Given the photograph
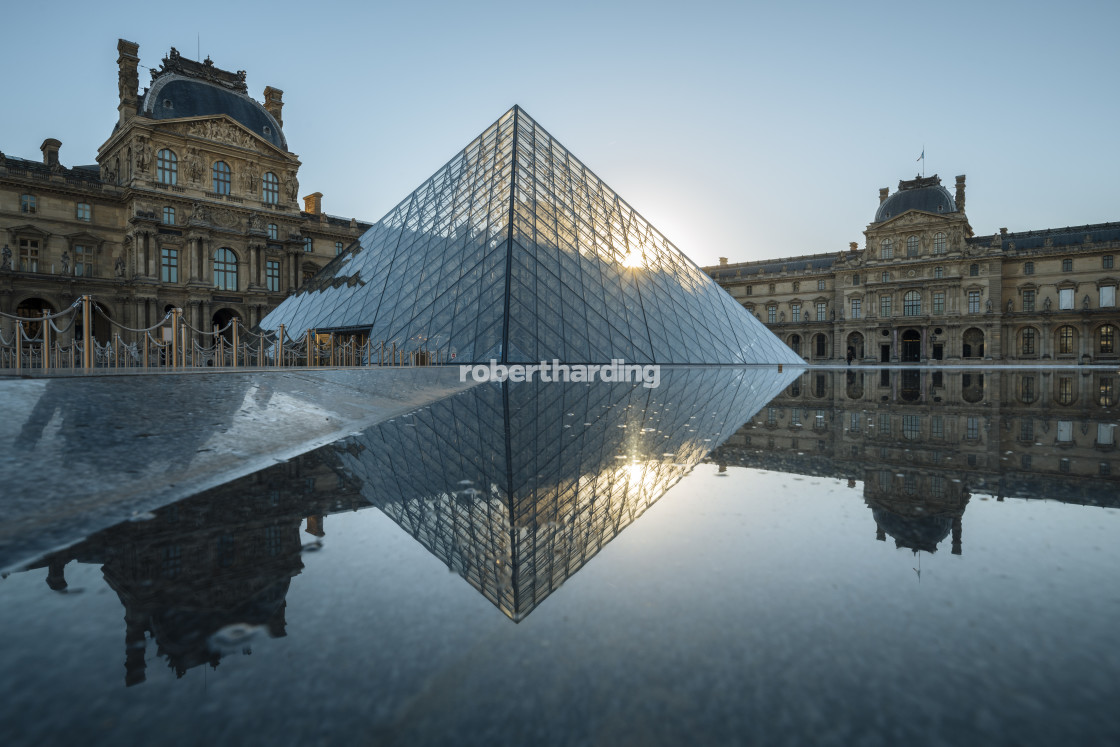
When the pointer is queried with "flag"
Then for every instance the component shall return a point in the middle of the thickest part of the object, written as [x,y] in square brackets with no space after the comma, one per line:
[923,156]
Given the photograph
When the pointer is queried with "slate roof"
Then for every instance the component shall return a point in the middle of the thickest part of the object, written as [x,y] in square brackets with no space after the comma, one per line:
[925,194]
[173,96]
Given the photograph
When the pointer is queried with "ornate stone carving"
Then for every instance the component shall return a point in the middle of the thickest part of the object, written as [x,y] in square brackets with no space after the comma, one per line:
[224,218]
[194,165]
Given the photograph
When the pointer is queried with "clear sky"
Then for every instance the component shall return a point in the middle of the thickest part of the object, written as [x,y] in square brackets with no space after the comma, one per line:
[744,130]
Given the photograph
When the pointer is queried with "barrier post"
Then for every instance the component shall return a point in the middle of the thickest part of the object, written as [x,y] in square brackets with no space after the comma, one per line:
[308,345]
[280,342]
[87,333]
[19,344]
[46,340]
[175,337]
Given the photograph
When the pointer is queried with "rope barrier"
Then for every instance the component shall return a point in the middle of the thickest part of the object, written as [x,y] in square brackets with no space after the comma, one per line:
[17,317]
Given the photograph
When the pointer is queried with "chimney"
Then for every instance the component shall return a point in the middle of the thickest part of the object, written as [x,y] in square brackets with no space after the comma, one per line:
[50,148]
[960,193]
[853,246]
[883,194]
[128,81]
[274,103]
[313,203]
[723,261]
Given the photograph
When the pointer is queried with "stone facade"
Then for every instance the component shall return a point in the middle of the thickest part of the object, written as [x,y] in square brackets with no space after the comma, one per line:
[192,204]
[924,288]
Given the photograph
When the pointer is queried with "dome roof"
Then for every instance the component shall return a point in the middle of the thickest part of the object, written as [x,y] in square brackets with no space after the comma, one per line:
[921,193]
[174,96]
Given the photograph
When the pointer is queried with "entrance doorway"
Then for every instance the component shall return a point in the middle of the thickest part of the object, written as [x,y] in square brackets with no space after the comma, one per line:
[885,353]
[911,346]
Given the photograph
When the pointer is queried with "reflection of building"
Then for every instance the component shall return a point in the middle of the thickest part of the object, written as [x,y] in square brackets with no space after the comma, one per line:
[192,203]
[923,441]
[225,557]
[924,288]
[516,486]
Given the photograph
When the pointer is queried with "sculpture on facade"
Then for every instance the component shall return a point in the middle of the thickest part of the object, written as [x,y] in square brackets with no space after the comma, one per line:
[65,263]
[7,258]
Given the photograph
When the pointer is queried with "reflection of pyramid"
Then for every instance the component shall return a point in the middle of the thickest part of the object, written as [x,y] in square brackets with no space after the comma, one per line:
[516,486]
[516,251]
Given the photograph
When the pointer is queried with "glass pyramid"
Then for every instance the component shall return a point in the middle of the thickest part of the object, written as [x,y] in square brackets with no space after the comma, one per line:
[516,251]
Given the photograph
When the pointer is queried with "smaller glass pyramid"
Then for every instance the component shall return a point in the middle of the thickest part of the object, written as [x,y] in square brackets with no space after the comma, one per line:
[516,251]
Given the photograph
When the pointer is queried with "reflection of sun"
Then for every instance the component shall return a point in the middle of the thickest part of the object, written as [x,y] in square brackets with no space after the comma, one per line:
[633,259]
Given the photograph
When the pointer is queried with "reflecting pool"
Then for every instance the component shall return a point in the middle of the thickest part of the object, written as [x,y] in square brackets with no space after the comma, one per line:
[737,556]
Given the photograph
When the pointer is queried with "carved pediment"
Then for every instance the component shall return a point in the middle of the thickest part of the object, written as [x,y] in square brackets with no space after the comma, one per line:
[221,129]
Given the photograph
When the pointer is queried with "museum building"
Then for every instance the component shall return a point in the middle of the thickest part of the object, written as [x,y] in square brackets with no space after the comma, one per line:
[924,288]
[193,203]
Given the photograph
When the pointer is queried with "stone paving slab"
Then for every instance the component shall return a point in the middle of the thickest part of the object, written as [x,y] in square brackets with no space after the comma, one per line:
[79,454]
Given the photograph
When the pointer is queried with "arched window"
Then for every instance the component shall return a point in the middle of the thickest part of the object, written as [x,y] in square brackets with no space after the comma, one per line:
[167,167]
[220,178]
[821,343]
[912,303]
[225,269]
[938,273]
[270,188]
[886,249]
[939,243]
[1027,341]
[973,270]
[1106,340]
[911,246]
[1067,340]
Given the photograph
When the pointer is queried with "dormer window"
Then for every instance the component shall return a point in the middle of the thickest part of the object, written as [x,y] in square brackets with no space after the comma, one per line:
[267,130]
[167,104]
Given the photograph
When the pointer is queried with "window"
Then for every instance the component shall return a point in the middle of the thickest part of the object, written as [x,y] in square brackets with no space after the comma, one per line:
[857,311]
[937,426]
[854,422]
[750,290]
[974,302]
[29,255]
[884,305]
[822,311]
[1106,262]
[912,303]
[272,275]
[337,248]
[822,346]
[1025,461]
[220,178]
[1028,300]
[84,262]
[270,188]
[27,204]
[169,216]
[1065,298]
[308,246]
[84,212]
[225,269]
[169,265]
[1027,342]
[1106,393]
[1026,429]
[855,279]
[886,249]
[885,277]
[884,424]
[1107,296]
[1063,466]
[972,428]
[820,285]
[771,314]
[1065,390]
[973,270]
[771,416]
[1067,265]
[167,167]
[911,246]
[1106,340]
[1104,434]
[938,273]
[911,427]
[1066,341]
[795,312]
[1027,392]
[274,234]
[939,243]
[1028,268]
[939,302]
[1065,431]
[1105,469]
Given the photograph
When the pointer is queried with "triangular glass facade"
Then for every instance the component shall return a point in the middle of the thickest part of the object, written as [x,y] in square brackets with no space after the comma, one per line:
[516,251]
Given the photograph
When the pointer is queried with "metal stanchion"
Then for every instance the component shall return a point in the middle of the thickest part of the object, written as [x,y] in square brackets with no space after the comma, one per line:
[87,333]
[46,340]
[175,314]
